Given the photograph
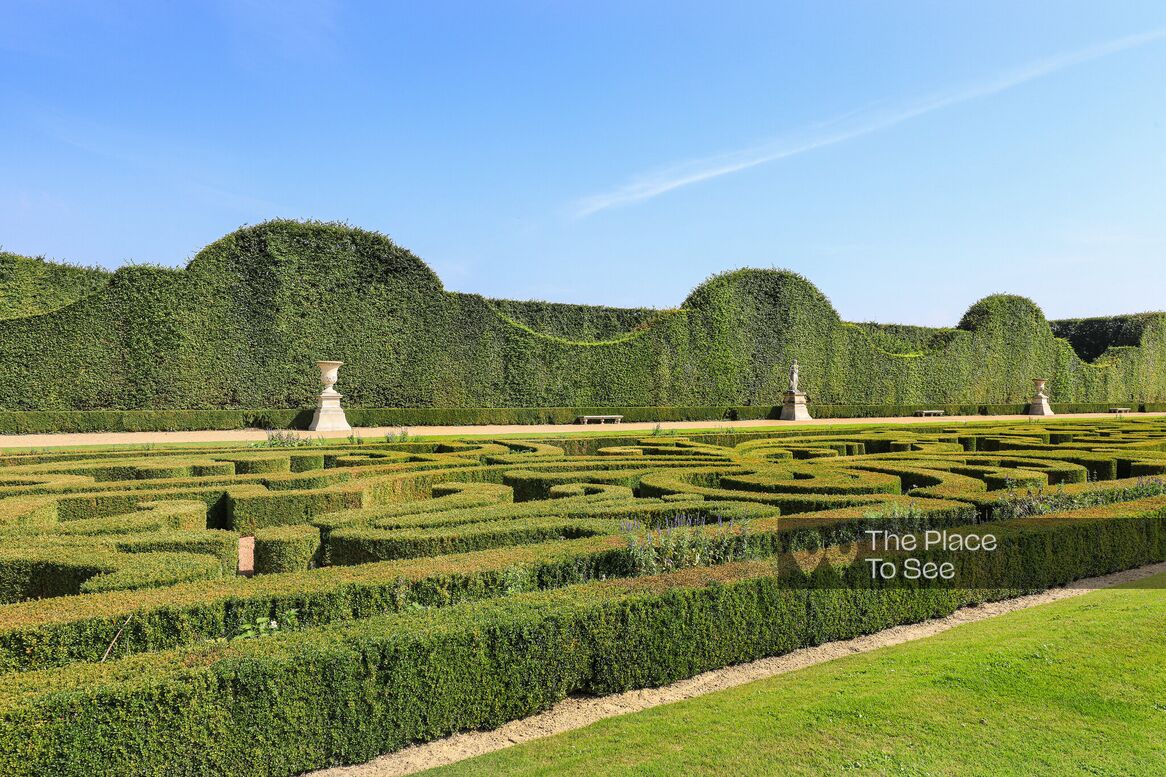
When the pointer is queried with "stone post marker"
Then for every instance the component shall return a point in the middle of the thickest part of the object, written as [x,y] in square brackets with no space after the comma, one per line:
[1040,400]
[793,406]
[329,415]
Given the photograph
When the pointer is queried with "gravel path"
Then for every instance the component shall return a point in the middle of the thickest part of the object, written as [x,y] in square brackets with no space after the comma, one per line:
[251,435]
[247,556]
[573,713]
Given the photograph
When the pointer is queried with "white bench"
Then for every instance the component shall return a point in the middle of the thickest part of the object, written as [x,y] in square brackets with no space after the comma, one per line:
[1119,410]
[928,413]
[599,419]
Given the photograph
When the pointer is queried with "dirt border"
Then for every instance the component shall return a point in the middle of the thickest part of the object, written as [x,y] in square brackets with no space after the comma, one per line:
[577,712]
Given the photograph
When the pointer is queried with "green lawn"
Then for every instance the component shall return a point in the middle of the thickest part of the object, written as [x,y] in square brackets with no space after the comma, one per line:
[1076,687]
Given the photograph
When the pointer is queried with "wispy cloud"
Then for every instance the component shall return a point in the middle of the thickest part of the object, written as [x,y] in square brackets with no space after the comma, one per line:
[852,125]
[182,168]
[274,32]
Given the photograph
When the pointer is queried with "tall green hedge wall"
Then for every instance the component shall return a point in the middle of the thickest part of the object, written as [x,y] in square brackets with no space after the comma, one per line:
[1092,337]
[242,324]
[30,286]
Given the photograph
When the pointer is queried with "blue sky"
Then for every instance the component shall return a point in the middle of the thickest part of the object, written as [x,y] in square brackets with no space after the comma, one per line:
[909,158]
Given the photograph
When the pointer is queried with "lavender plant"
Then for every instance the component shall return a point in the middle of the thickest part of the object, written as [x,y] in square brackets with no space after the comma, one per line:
[1040,500]
[685,541]
[401,435]
[280,439]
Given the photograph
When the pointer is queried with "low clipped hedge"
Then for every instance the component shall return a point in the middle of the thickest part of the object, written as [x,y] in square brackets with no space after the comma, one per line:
[162,543]
[49,633]
[690,482]
[34,573]
[28,576]
[54,421]
[222,545]
[286,548]
[300,497]
[347,693]
[361,545]
[250,513]
[41,634]
[155,570]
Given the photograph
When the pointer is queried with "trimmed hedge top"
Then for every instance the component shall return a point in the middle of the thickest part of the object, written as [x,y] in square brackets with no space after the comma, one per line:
[31,286]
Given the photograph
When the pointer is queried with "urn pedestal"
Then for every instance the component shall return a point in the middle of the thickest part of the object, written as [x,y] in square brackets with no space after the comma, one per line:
[1040,400]
[793,407]
[329,416]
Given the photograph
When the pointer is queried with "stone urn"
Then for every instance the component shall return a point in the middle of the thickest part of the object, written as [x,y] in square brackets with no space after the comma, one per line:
[329,416]
[329,374]
[1040,400]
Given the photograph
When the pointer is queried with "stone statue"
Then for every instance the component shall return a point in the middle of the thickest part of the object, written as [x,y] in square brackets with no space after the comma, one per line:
[793,406]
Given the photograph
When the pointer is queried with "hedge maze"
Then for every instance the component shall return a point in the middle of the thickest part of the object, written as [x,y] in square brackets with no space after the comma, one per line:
[406,590]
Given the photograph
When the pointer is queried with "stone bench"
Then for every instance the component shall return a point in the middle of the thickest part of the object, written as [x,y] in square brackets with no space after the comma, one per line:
[1119,410]
[599,419]
[928,413]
